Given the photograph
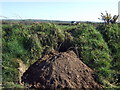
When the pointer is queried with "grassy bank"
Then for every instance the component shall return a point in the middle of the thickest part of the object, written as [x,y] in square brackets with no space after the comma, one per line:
[97,46]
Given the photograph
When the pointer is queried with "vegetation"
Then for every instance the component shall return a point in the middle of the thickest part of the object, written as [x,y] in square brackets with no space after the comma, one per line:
[111,34]
[97,46]
[107,18]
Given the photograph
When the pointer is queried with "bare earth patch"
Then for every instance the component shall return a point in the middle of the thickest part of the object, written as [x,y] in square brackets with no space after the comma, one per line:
[59,70]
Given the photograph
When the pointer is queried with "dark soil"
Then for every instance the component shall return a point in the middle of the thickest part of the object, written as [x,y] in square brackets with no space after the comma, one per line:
[59,70]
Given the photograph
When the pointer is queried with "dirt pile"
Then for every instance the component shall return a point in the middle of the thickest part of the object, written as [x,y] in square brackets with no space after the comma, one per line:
[59,70]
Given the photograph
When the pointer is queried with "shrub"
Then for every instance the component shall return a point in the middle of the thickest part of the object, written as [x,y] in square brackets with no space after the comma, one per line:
[48,35]
[92,48]
[111,34]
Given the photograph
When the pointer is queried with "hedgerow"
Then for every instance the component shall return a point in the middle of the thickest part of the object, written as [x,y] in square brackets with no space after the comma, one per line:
[98,48]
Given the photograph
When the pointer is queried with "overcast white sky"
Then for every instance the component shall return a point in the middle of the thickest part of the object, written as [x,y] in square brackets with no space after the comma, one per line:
[77,10]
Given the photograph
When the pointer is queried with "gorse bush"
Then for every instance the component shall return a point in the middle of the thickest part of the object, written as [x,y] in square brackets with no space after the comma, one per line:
[92,49]
[12,48]
[27,43]
[14,44]
[111,34]
[47,35]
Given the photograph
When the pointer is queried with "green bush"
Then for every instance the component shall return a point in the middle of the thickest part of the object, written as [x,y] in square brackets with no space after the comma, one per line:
[27,43]
[92,48]
[48,35]
[111,34]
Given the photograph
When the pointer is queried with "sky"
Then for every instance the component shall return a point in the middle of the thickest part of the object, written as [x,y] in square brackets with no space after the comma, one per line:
[66,10]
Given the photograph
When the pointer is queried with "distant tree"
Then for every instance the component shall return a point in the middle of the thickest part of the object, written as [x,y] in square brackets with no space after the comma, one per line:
[107,18]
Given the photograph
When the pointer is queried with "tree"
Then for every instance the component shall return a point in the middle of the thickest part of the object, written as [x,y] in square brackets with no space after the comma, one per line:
[107,18]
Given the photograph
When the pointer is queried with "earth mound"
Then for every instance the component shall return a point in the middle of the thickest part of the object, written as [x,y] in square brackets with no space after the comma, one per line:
[59,70]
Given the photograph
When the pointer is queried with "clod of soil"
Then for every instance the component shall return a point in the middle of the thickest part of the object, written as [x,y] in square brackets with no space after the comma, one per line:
[59,70]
